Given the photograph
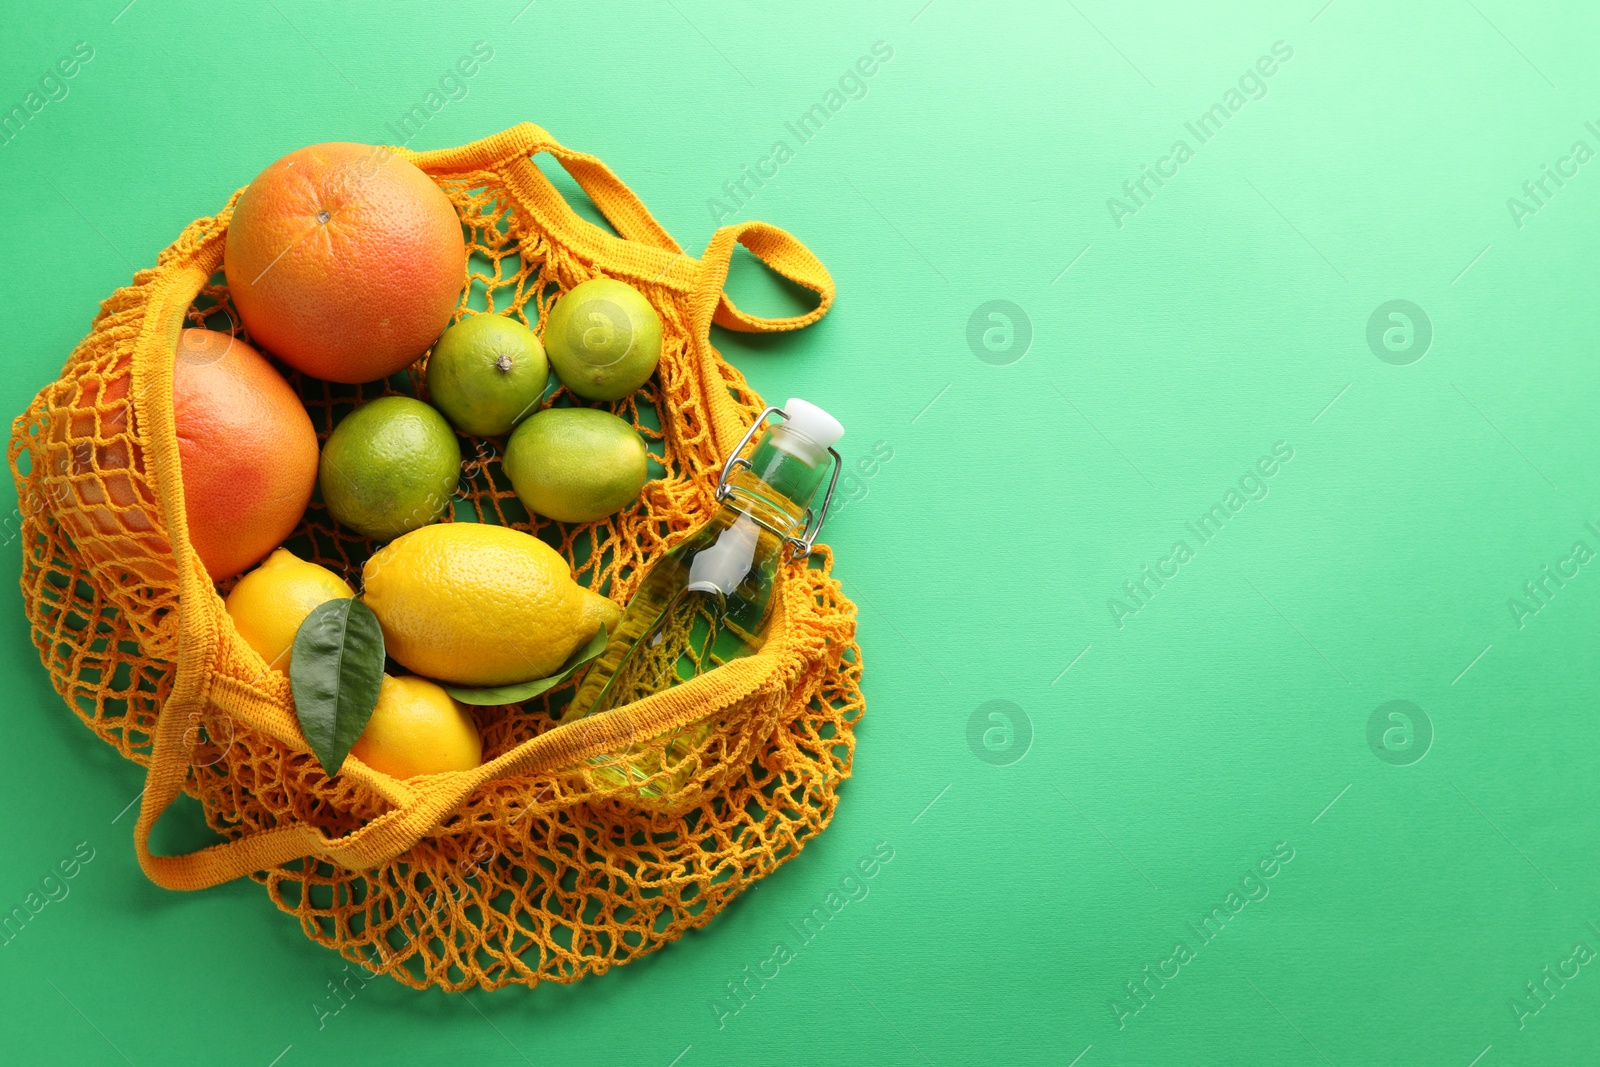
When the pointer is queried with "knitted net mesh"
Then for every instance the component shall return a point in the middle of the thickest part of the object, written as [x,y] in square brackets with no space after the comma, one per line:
[541,868]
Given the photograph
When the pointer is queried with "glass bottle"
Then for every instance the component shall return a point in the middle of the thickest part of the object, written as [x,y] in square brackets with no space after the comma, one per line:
[709,600]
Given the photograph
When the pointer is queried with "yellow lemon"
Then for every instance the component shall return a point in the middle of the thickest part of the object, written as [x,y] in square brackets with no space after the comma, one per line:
[269,604]
[473,604]
[416,728]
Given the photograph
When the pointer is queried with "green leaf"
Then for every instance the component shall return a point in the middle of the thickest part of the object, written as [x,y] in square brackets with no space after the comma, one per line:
[516,694]
[335,673]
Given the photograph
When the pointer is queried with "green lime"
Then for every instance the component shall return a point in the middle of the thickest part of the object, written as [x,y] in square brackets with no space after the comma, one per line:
[576,464]
[604,339]
[487,373]
[389,467]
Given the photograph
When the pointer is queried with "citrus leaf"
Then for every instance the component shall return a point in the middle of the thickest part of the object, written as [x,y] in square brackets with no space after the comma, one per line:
[516,694]
[335,672]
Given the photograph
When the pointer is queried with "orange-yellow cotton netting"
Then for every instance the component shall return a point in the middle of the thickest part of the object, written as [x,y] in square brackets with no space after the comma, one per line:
[537,865]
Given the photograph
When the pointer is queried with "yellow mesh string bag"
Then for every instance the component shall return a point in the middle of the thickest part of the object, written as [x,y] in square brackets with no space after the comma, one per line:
[543,863]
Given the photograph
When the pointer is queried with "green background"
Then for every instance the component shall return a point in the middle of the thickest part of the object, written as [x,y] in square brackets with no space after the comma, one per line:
[1166,356]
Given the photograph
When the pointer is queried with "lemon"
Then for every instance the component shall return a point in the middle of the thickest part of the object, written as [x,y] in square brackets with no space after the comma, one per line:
[269,604]
[486,373]
[576,464]
[479,605]
[603,338]
[416,728]
[390,466]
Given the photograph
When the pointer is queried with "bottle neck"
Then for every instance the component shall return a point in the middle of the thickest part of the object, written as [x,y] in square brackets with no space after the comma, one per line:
[782,479]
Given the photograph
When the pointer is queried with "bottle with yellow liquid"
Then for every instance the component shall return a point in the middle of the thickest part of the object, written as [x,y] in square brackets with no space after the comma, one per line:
[709,600]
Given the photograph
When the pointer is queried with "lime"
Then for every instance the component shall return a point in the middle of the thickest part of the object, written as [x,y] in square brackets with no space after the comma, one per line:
[486,373]
[604,339]
[576,464]
[389,467]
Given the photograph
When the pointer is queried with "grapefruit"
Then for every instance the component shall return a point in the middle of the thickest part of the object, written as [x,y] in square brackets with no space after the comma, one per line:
[246,447]
[345,261]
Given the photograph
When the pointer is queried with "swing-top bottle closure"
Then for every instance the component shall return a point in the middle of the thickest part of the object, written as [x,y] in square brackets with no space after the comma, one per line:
[808,433]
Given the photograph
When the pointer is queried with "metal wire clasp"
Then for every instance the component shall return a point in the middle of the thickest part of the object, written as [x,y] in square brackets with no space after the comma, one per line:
[798,546]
